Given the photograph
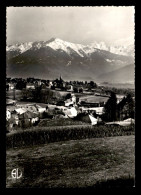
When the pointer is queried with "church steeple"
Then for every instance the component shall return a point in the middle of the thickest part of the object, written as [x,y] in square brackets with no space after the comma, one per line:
[61,78]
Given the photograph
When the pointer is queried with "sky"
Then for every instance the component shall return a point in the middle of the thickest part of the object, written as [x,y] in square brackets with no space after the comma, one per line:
[83,25]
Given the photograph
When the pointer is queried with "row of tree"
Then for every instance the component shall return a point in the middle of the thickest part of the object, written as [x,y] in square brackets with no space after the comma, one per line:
[39,95]
[114,111]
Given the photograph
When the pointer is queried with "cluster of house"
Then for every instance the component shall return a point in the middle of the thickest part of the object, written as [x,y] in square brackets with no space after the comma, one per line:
[57,84]
[25,115]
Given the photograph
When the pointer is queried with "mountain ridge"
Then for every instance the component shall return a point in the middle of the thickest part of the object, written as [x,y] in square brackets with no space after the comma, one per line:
[56,43]
[124,74]
[47,59]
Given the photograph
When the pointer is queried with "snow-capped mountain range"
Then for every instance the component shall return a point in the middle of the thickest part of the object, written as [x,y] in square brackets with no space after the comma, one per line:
[49,59]
[81,50]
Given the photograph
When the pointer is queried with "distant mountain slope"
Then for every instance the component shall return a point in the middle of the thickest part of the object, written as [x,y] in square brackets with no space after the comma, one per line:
[82,50]
[122,75]
[49,59]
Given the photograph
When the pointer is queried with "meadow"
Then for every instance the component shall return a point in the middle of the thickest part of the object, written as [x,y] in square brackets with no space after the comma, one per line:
[86,163]
[93,98]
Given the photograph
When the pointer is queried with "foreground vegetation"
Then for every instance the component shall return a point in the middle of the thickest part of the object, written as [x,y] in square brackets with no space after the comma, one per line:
[60,122]
[43,135]
[102,162]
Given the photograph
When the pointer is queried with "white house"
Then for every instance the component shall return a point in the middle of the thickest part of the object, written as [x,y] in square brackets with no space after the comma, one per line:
[99,110]
[40,109]
[73,98]
[30,86]
[33,120]
[11,86]
[70,88]
[71,112]
[20,110]
[50,84]
[8,115]
[69,102]
[93,120]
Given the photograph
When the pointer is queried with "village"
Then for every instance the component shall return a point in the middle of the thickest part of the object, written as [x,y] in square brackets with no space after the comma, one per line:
[31,101]
[70,97]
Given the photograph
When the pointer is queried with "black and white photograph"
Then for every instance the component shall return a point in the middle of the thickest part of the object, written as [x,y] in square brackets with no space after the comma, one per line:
[70,97]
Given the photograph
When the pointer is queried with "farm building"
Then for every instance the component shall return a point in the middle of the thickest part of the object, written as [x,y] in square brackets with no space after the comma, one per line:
[90,104]
[28,119]
[71,112]
[32,108]
[40,109]
[20,110]
[98,110]
[70,88]
[88,118]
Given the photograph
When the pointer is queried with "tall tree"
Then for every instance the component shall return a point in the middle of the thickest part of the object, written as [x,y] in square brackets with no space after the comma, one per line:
[110,108]
[126,108]
[130,106]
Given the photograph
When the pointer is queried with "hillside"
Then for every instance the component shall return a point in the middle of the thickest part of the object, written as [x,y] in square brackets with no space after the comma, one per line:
[49,59]
[125,74]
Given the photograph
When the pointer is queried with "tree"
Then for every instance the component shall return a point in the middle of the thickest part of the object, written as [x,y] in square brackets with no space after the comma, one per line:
[93,84]
[7,87]
[68,96]
[125,108]
[130,106]
[120,107]
[81,90]
[110,108]
[75,89]
[20,85]
[53,87]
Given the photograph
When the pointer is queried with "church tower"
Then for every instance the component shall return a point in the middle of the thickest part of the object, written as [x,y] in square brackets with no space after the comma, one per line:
[61,78]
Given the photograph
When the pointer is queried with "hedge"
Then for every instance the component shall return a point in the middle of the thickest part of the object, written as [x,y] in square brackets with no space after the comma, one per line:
[43,135]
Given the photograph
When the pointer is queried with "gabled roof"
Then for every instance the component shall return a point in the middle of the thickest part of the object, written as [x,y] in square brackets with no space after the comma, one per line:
[31,108]
[10,101]
[72,112]
[27,115]
[20,110]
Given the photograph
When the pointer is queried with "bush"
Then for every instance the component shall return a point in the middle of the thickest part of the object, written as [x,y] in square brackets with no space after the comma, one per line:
[43,135]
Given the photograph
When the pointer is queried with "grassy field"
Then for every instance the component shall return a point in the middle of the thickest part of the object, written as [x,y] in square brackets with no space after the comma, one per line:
[76,163]
[119,85]
[93,98]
